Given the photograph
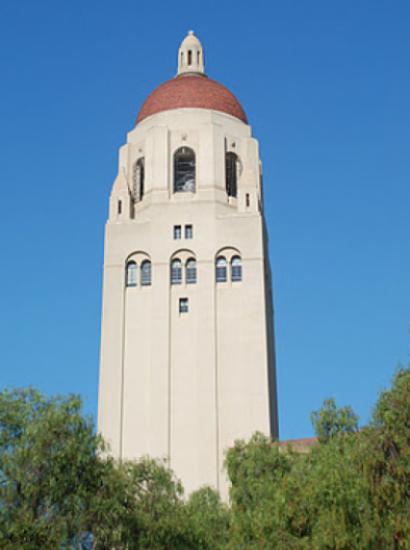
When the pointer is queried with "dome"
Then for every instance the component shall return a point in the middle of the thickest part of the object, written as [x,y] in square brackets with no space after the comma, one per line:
[191,88]
[191,91]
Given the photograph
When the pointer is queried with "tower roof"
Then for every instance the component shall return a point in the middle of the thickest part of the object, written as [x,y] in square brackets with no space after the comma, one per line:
[191,88]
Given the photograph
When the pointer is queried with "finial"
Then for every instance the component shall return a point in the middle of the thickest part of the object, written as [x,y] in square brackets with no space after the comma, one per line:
[190,55]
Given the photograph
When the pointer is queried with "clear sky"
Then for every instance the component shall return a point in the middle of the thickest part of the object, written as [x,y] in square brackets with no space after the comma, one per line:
[326,87]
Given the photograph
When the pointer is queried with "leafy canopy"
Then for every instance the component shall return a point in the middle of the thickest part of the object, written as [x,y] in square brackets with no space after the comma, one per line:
[60,489]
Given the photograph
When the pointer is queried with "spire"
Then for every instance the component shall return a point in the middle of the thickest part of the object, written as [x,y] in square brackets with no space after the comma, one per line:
[190,55]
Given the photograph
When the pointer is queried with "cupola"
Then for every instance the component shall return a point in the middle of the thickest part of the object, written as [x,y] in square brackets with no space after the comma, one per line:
[190,55]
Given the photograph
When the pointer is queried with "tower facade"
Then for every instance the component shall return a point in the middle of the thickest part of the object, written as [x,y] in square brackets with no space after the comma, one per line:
[187,346]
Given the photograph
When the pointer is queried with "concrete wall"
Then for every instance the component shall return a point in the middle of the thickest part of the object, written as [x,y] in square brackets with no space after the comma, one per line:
[185,386]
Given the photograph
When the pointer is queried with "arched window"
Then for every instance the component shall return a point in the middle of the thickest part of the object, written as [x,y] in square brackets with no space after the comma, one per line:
[146,273]
[231,174]
[131,274]
[184,170]
[220,270]
[191,271]
[236,269]
[176,272]
[139,179]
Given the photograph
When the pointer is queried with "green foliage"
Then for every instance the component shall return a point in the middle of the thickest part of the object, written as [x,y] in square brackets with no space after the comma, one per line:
[387,467]
[58,489]
[208,520]
[51,481]
[330,421]
[352,491]
[257,470]
[154,505]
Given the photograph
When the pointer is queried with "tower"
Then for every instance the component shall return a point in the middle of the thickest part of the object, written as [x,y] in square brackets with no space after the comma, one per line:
[187,349]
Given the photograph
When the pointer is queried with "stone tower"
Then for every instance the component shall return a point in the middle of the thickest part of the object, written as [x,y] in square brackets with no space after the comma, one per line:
[187,346]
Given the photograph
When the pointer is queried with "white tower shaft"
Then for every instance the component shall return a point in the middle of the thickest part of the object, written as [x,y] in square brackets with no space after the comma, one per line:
[187,356]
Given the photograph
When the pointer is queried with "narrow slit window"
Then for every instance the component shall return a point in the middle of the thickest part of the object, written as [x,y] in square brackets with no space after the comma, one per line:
[248,200]
[139,179]
[119,207]
[189,57]
[231,174]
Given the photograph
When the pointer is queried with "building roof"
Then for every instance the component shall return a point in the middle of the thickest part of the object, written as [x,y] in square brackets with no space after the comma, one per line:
[303,445]
[191,91]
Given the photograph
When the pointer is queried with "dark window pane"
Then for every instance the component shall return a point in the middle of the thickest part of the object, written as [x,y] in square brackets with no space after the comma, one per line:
[220,270]
[139,179]
[188,232]
[131,274]
[183,305]
[184,170]
[191,271]
[176,272]
[231,174]
[146,273]
[236,269]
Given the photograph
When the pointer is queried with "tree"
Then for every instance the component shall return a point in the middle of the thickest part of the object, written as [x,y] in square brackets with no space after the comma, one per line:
[387,468]
[257,469]
[155,507]
[351,491]
[52,483]
[59,489]
[330,421]
[208,519]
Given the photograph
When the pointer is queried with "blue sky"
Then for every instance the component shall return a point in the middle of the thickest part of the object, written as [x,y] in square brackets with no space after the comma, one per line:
[326,87]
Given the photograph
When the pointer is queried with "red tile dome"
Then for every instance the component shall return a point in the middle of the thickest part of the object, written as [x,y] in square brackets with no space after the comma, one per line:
[191,91]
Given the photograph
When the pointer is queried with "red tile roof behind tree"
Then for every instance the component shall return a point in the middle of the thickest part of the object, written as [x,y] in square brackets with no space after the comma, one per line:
[191,91]
[303,445]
